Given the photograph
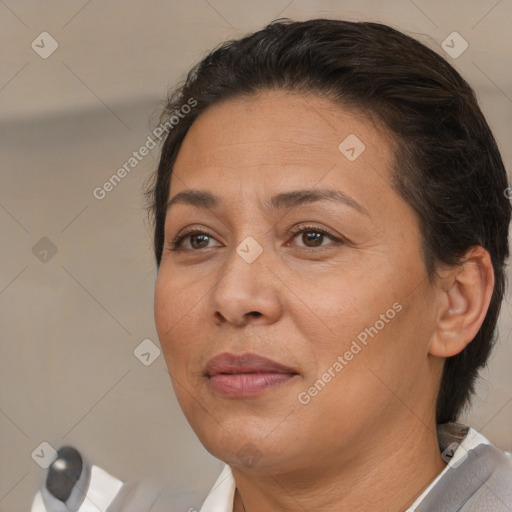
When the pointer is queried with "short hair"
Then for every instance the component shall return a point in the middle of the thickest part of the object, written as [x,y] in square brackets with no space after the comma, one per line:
[447,165]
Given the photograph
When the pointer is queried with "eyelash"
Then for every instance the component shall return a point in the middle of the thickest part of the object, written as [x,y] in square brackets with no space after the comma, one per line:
[176,244]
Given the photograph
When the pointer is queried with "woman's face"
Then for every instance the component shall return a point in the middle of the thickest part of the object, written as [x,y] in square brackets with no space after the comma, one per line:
[333,288]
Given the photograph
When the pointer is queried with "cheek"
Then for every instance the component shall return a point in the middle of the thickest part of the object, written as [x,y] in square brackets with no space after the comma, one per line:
[367,306]
[340,302]
[164,305]
[176,307]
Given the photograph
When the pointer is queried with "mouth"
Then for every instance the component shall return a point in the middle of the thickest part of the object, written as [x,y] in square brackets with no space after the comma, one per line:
[245,375]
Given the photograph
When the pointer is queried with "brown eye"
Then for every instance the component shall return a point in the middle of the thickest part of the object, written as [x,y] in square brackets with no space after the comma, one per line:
[197,241]
[312,238]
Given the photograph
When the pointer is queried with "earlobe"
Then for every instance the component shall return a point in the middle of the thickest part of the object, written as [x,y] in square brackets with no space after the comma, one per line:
[465,295]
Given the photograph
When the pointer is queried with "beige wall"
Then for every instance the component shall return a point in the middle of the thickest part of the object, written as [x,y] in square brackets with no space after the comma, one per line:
[70,325]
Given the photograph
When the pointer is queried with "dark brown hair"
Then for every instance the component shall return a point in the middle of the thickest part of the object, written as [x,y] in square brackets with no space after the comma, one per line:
[448,166]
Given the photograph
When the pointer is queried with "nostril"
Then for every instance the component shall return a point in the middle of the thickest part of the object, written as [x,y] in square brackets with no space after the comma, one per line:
[219,317]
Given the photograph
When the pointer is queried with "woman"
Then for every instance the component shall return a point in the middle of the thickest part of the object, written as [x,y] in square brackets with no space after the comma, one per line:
[330,233]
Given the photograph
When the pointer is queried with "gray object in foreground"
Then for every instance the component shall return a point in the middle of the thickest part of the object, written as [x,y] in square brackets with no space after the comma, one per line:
[72,485]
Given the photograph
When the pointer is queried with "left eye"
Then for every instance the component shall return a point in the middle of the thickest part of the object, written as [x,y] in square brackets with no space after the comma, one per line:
[312,237]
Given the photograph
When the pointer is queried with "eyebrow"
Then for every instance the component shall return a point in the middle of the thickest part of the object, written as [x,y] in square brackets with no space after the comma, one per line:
[292,199]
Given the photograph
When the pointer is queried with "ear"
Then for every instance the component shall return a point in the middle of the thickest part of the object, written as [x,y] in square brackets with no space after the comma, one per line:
[465,293]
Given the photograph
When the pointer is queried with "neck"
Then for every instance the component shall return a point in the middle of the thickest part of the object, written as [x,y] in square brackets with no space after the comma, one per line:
[387,477]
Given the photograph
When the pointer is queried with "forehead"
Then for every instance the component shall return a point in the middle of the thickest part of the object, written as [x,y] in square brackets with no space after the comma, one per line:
[277,140]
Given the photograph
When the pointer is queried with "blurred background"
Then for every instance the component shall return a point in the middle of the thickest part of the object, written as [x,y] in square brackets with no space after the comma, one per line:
[81,85]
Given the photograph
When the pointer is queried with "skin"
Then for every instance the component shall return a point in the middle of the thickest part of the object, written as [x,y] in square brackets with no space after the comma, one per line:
[367,441]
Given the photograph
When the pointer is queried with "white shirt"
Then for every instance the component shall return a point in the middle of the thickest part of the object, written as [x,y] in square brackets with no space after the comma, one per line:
[220,498]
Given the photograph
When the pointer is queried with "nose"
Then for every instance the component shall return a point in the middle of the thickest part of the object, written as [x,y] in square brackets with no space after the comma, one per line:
[246,293]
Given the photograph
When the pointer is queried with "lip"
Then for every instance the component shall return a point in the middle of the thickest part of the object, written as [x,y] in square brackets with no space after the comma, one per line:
[243,375]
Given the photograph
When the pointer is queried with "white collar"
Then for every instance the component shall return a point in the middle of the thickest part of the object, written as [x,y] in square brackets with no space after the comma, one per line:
[221,496]
[472,439]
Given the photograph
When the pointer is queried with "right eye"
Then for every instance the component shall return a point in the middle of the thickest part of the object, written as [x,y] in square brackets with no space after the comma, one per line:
[197,240]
